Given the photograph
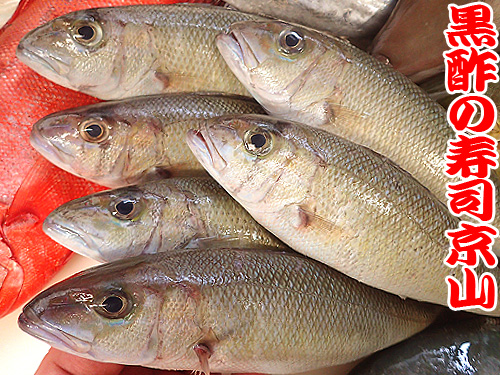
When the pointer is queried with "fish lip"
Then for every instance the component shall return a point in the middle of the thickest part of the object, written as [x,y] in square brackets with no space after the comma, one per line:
[201,145]
[29,55]
[57,230]
[47,149]
[30,323]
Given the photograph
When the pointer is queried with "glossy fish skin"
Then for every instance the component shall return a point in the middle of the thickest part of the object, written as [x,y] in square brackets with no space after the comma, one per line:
[252,310]
[144,138]
[336,87]
[335,201]
[462,348]
[166,215]
[355,19]
[135,50]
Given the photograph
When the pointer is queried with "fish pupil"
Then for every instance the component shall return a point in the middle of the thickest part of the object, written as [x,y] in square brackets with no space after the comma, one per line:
[292,40]
[94,131]
[113,304]
[125,207]
[86,32]
[258,140]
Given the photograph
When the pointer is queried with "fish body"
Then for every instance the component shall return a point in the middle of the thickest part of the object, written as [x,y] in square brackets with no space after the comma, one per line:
[221,310]
[412,39]
[460,348]
[335,201]
[114,53]
[357,20]
[137,139]
[327,83]
[30,187]
[161,215]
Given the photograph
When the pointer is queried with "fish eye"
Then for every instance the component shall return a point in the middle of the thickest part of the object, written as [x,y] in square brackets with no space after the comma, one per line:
[93,131]
[258,142]
[126,209]
[291,42]
[88,33]
[114,305]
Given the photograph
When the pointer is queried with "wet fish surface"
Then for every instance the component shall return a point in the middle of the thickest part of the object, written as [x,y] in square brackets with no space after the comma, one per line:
[157,216]
[120,52]
[462,348]
[221,310]
[131,141]
[302,75]
[358,20]
[335,201]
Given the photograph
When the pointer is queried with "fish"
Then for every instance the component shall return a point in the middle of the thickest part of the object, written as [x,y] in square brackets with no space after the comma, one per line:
[121,52]
[335,201]
[130,141]
[30,187]
[459,348]
[357,20]
[302,75]
[161,215]
[418,54]
[221,310]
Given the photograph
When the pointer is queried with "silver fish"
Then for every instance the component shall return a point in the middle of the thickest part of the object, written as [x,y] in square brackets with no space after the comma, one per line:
[121,52]
[130,141]
[302,75]
[221,310]
[359,20]
[157,216]
[335,201]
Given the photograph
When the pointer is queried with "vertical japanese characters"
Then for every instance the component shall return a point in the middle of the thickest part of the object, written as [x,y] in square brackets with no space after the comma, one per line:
[471,64]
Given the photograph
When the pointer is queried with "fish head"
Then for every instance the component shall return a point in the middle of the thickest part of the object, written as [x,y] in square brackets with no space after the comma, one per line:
[108,225]
[108,148]
[104,314]
[76,50]
[274,60]
[259,160]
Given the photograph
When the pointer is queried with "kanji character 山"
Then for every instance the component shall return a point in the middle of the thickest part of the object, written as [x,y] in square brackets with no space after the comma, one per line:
[482,294]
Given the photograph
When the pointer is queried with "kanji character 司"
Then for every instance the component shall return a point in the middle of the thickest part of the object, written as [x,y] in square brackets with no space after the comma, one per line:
[468,241]
[465,105]
[471,156]
[472,25]
[464,64]
[481,295]
[474,197]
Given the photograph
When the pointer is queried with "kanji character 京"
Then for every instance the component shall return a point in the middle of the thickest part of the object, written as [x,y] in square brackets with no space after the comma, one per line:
[469,241]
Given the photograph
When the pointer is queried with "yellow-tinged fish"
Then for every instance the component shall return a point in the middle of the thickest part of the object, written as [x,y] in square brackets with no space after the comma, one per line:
[156,216]
[221,310]
[131,141]
[335,201]
[302,75]
[121,52]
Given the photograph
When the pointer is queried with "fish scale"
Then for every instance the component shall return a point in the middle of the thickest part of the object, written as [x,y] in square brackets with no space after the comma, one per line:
[337,202]
[168,214]
[147,136]
[146,50]
[339,88]
[283,313]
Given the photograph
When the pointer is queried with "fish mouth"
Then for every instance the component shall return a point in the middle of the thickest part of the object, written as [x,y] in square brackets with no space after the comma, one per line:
[30,323]
[205,151]
[235,49]
[72,238]
[37,58]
